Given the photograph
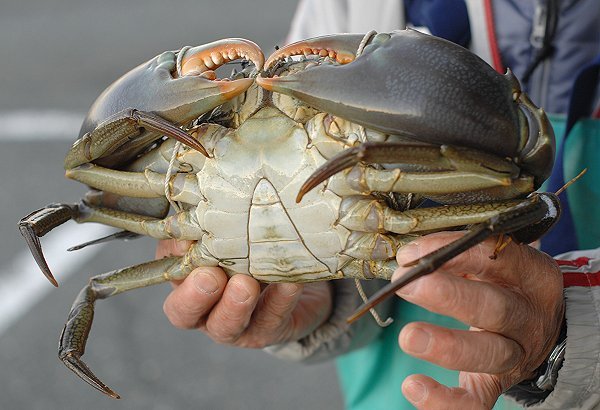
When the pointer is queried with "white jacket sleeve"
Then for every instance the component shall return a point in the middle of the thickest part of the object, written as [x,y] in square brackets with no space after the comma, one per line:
[578,385]
[319,17]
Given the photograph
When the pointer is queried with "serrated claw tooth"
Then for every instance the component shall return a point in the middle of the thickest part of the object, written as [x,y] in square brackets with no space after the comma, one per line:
[342,47]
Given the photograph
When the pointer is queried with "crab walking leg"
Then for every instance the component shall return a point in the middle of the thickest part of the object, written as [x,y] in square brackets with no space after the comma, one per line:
[39,223]
[371,215]
[79,322]
[430,170]
[147,184]
[525,222]
[182,225]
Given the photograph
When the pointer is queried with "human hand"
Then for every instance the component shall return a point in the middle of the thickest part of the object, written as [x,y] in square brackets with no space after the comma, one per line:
[235,311]
[514,305]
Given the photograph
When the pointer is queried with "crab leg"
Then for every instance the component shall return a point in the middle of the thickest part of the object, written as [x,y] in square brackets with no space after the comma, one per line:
[147,184]
[181,225]
[371,215]
[77,328]
[433,170]
[39,223]
[525,222]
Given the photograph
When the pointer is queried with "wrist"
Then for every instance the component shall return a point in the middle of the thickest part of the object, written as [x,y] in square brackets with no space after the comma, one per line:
[545,376]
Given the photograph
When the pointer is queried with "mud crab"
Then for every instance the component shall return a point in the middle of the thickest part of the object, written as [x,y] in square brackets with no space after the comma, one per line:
[309,166]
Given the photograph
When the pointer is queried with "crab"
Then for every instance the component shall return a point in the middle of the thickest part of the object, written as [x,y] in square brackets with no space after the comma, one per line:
[308,166]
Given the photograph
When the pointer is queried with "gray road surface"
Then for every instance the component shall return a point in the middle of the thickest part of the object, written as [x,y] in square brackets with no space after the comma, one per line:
[58,55]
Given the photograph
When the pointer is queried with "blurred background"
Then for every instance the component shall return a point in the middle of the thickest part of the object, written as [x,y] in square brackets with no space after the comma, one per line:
[57,56]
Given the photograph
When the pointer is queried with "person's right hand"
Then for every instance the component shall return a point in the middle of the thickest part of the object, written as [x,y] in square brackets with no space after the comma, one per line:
[235,311]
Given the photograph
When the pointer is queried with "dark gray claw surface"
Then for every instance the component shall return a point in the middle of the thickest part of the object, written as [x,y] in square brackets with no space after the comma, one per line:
[416,85]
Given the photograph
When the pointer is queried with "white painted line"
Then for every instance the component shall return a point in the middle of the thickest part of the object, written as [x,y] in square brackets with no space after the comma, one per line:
[23,285]
[36,125]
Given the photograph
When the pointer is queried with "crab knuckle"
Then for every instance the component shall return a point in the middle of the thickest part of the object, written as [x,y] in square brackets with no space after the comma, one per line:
[273,126]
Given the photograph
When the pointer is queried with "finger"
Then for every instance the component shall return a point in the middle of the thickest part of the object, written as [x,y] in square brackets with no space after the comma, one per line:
[187,304]
[476,303]
[425,393]
[172,247]
[454,349]
[271,320]
[231,316]
[511,267]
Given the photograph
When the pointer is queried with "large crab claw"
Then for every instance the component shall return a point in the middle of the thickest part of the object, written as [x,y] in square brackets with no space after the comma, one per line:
[411,84]
[156,98]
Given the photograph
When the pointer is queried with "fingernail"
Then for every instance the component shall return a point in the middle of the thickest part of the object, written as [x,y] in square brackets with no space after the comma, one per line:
[417,341]
[414,391]
[205,282]
[407,253]
[239,292]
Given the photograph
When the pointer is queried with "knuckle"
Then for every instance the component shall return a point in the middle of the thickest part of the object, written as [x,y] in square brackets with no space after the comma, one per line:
[446,293]
[224,334]
[508,356]
[450,349]
[500,311]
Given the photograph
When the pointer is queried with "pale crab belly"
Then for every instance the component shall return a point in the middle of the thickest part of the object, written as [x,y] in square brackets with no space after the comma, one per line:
[274,242]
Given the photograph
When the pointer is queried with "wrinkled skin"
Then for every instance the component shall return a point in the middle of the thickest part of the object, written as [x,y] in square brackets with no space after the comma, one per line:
[508,339]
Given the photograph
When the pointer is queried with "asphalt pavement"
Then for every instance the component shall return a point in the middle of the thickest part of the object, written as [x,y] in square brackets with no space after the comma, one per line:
[57,56]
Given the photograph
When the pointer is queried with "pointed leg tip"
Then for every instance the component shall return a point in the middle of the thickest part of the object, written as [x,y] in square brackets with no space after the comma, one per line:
[77,366]
[358,313]
[53,281]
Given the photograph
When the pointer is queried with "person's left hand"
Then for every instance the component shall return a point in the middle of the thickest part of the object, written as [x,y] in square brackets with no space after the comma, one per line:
[514,305]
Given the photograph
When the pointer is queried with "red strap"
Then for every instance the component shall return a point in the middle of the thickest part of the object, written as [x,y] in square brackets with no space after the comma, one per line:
[581,279]
[493,42]
[576,263]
